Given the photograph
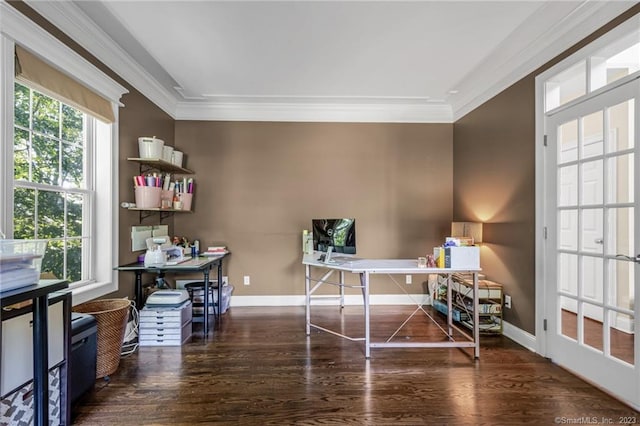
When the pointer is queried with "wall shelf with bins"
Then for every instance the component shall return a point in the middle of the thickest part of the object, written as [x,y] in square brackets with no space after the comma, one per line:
[148,165]
[490,300]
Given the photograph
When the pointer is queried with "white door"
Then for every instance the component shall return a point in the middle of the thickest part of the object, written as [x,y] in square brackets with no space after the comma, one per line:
[591,214]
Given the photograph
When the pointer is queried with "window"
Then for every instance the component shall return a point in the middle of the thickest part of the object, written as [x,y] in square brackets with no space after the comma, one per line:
[615,61]
[59,155]
[611,62]
[53,191]
[566,86]
[63,189]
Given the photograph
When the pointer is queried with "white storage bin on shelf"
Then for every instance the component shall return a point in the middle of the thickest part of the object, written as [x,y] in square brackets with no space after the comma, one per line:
[150,147]
[20,262]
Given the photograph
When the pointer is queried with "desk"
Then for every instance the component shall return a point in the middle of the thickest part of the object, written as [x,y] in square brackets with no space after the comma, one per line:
[39,295]
[367,267]
[202,264]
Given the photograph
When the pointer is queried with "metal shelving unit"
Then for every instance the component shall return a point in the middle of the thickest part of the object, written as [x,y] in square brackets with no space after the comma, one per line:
[490,298]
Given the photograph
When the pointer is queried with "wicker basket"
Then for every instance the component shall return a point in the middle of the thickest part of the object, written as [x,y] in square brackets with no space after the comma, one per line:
[111,316]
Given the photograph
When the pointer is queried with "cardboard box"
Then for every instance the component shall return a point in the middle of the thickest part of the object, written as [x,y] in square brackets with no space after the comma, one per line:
[462,257]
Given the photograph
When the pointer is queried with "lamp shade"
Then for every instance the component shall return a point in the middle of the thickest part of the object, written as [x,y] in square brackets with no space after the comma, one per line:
[467,229]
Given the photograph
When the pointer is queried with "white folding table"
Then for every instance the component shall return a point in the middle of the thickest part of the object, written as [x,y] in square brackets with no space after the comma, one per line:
[367,267]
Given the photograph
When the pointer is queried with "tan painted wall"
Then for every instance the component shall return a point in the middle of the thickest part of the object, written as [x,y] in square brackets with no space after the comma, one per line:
[260,184]
[138,117]
[494,182]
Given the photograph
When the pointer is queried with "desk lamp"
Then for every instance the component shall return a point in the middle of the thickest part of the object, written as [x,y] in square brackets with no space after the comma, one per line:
[471,230]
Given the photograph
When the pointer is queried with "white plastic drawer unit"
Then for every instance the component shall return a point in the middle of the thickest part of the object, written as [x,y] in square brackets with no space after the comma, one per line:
[16,361]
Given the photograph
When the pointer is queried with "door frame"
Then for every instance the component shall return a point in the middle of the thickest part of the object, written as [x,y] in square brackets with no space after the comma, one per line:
[626,391]
[542,311]
[541,166]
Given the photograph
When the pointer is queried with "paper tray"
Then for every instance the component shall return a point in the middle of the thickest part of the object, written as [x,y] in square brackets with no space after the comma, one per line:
[20,262]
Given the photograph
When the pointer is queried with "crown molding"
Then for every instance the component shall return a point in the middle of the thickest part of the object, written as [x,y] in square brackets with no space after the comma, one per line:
[70,19]
[315,112]
[76,24]
[511,62]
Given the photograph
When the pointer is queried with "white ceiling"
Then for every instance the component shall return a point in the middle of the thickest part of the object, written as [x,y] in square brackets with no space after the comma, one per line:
[307,60]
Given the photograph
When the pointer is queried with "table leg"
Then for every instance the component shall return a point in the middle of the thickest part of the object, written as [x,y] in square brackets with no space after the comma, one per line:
[341,289]
[219,310]
[206,303]
[364,282]
[307,299]
[476,316]
[449,308]
[138,289]
[40,361]
[65,391]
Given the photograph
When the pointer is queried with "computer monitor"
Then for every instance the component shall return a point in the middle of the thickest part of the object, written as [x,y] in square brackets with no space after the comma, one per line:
[337,233]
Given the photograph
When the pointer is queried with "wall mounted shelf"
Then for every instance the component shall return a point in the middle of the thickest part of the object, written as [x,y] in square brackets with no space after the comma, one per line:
[151,164]
[164,213]
[159,164]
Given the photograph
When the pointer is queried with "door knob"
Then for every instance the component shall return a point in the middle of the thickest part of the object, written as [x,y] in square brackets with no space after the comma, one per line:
[598,241]
[629,258]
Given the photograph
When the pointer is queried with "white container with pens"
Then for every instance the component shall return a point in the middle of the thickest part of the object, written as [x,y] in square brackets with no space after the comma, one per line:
[147,197]
[148,190]
[184,194]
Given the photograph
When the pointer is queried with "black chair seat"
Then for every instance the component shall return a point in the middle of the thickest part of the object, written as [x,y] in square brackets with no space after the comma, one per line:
[199,285]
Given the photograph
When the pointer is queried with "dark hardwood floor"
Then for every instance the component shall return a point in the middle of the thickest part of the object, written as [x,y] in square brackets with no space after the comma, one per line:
[621,342]
[259,368]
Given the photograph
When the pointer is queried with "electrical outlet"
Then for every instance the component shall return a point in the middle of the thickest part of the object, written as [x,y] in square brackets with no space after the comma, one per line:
[407,279]
[247,280]
[225,280]
[507,301]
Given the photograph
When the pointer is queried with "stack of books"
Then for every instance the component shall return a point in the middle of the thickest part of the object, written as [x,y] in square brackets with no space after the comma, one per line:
[215,251]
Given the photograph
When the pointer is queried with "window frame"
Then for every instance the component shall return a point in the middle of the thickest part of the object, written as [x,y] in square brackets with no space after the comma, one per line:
[15,28]
[87,190]
[621,35]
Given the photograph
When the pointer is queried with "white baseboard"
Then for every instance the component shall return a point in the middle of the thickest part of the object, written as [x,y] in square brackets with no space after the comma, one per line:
[349,300]
[519,336]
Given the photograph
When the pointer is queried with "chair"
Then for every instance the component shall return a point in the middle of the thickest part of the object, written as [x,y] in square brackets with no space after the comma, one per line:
[196,294]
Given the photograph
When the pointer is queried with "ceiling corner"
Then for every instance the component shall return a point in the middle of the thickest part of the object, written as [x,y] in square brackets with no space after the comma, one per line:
[71,20]
[505,67]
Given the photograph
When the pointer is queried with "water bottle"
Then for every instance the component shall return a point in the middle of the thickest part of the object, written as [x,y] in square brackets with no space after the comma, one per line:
[307,242]
[305,238]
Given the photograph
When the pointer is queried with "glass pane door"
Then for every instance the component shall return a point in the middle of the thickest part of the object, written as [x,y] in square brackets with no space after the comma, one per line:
[592,215]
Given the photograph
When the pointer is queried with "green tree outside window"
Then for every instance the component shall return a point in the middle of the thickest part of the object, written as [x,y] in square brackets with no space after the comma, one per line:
[50,188]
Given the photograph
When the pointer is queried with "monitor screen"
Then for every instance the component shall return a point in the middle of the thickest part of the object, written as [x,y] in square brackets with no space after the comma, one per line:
[338,233]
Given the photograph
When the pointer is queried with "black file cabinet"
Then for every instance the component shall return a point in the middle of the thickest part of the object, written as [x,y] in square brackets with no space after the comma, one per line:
[82,363]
